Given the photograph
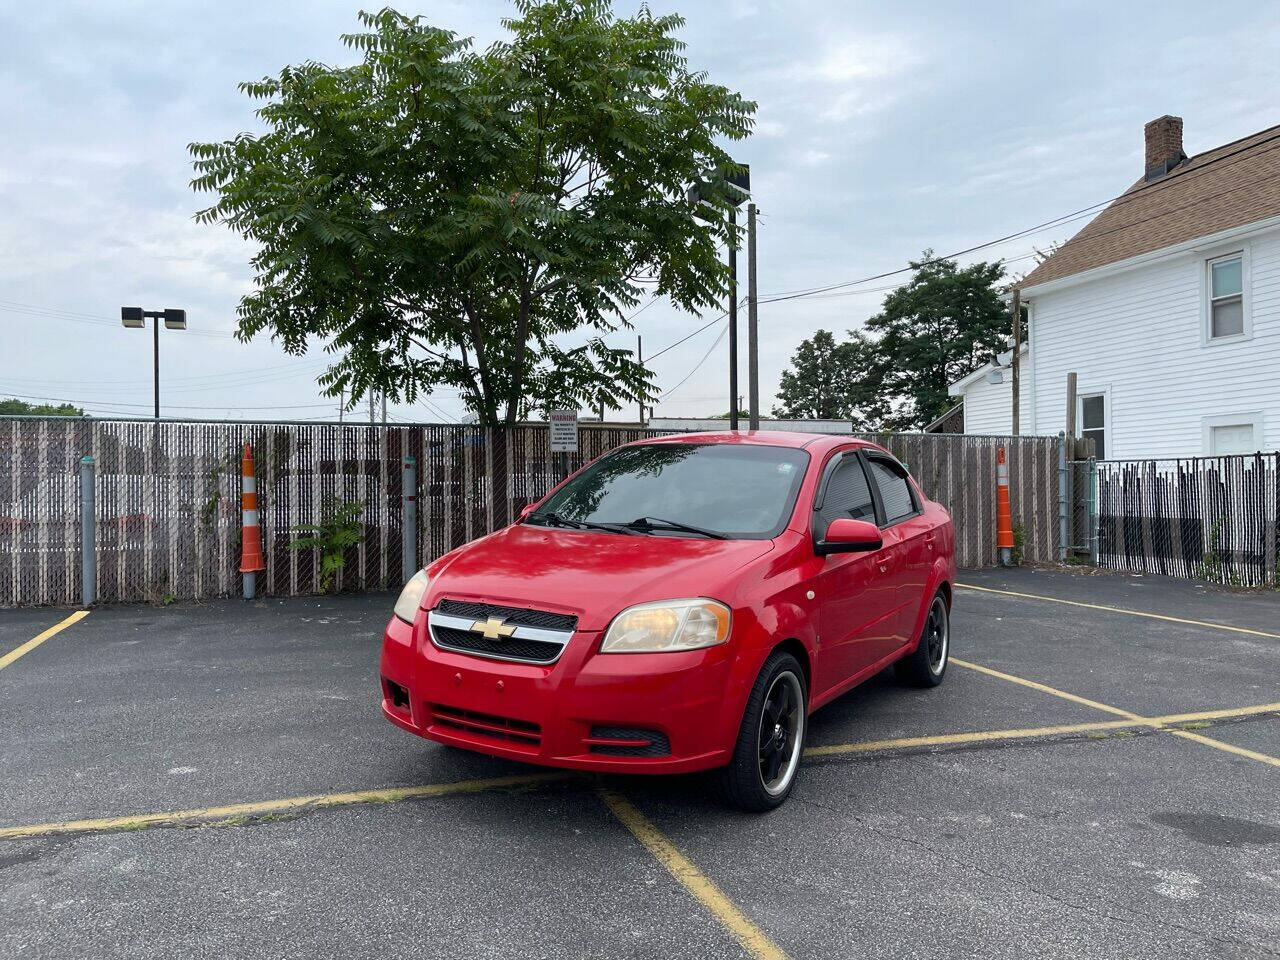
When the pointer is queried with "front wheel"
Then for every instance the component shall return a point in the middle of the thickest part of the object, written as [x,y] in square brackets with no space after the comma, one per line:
[927,665]
[771,738]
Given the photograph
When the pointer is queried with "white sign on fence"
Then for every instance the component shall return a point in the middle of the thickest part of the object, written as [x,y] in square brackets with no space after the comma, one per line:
[564,431]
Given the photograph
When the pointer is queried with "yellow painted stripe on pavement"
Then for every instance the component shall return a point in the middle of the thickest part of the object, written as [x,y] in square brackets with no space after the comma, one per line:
[1158,722]
[1132,613]
[1043,688]
[1228,747]
[754,940]
[978,736]
[1032,733]
[35,641]
[285,805]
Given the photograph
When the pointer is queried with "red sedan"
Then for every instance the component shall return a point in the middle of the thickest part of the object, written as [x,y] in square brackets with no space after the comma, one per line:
[679,604]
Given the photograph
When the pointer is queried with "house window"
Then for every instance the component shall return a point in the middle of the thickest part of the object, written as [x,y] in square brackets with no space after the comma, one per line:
[1233,434]
[1226,297]
[1093,423]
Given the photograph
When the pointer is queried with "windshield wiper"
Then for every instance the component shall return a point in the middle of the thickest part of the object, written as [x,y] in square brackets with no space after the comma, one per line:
[649,524]
[555,520]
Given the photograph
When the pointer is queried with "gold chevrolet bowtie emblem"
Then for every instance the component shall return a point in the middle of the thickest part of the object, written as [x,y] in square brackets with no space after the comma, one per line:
[493,629]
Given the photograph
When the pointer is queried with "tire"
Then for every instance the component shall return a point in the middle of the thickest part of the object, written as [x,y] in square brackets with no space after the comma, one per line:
[927,664]
[761,775]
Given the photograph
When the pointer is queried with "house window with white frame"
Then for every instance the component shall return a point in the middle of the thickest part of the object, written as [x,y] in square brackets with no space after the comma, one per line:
[1225,283]
[1093,422]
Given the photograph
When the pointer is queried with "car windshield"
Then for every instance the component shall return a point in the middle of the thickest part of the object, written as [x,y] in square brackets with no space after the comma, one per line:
[732,490]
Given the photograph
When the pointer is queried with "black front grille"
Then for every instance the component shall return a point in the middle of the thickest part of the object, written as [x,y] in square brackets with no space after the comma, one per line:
[511,648]
[514,616]
[658,745]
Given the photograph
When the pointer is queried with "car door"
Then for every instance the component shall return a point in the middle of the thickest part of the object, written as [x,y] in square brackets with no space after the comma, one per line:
[908,533]
[856,593]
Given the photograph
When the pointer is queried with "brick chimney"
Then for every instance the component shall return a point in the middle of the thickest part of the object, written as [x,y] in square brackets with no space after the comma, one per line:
[1164,146]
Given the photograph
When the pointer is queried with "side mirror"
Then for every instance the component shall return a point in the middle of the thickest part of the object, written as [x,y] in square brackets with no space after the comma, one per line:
[527,509]
[846,535]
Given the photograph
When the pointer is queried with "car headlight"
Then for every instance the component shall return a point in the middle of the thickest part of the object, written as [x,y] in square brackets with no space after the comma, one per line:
[668,625]
[411,597]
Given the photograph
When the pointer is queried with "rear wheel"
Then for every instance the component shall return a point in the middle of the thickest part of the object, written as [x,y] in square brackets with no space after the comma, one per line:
[928,664]
[770,741]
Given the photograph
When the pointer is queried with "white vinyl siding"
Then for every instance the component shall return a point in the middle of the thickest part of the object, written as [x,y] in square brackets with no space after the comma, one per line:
[1141,337]
[988,407]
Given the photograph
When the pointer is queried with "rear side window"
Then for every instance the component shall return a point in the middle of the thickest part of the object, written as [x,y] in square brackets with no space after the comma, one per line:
[847,494]
[895,492]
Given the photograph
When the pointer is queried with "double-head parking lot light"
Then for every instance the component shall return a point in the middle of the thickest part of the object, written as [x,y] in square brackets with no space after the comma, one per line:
[136,318]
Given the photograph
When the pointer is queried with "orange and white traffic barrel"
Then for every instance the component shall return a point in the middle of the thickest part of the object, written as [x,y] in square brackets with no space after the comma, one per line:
[250,531]
[1004,516]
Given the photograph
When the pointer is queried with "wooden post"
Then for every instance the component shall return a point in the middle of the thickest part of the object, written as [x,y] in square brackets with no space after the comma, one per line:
[1071,414]
[1016,365]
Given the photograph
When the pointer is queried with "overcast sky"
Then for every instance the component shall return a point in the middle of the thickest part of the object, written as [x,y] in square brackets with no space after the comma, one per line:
[882,129]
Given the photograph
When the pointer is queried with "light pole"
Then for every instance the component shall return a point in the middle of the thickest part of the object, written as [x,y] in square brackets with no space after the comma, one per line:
[136,318]
[732,184]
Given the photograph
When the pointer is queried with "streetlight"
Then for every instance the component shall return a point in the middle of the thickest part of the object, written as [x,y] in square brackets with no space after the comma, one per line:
[136,318]
[734,185]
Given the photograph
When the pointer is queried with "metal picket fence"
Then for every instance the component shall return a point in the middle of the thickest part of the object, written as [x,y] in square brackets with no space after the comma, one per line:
[167,498]
[1212,518]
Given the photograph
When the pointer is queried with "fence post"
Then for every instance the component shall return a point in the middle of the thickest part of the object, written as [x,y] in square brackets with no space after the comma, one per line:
[1093,510]
[1064,504]
[409,519]
[88,538]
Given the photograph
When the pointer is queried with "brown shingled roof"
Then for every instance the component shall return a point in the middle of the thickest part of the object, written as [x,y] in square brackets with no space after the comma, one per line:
[1229,186]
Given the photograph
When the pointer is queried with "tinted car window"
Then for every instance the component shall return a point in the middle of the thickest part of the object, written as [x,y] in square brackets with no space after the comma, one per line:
[743,491]
[847,494]
[895,492]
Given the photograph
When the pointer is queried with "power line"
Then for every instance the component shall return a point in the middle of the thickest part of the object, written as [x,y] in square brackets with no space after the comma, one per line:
[667,393]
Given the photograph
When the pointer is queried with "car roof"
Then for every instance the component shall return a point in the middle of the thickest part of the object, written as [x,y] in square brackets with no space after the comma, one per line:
[814,442]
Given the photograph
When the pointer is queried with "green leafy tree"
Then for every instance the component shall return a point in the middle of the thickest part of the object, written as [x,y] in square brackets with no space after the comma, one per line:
[480,220]
[946,322]
[20,408]
[828,381]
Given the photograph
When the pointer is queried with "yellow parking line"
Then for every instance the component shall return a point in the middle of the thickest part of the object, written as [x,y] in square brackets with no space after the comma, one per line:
[1132,613]
[1083,701]
[35,641]
[1157,722]
[978,736]
[754,940]
[285,805]
[1229,747]
[1032,733]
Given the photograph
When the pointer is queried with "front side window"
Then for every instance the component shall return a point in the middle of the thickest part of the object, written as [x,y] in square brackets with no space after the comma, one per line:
[1226,297]
[895,490]
[847,494]
[735,490]
[1093,423]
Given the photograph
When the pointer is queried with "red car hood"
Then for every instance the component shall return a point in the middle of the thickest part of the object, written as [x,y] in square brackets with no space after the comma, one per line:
[590,574]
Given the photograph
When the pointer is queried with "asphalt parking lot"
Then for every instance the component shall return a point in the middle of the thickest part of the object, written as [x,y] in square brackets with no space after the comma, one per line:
[1096,778]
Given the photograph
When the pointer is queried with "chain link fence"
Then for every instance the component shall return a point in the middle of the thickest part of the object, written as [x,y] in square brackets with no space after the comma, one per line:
[1209,519]
[167,498]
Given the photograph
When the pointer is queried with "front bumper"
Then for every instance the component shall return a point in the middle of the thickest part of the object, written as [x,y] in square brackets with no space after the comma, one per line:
[586,711]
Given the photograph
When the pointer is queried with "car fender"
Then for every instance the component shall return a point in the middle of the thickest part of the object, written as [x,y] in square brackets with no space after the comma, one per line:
[941,572]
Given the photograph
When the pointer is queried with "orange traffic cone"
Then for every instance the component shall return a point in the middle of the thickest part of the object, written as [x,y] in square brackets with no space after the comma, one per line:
[1004,517]
[250,532]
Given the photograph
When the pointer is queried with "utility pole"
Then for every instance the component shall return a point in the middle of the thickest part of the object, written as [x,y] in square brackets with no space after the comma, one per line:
[370,408]
[733,318]
[1017,364]
[384,408]
[640,360]
[753,354]
[1071,414]
[342,402]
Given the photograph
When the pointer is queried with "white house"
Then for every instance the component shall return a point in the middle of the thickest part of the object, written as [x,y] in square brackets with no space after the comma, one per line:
[1167,308]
